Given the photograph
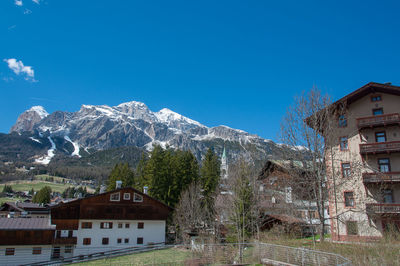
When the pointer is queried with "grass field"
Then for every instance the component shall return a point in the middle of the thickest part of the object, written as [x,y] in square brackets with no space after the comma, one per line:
[150,257]
[36,185]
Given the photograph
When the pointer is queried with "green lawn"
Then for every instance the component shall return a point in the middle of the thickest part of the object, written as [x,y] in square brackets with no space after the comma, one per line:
[36,185]
[55,178]
[149,257]
[2,200]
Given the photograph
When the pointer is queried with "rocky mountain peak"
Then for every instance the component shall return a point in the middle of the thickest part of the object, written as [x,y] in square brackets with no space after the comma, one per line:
[28,119]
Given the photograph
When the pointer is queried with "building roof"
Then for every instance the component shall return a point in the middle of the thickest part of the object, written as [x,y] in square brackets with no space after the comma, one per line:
[26,224]
[24,206]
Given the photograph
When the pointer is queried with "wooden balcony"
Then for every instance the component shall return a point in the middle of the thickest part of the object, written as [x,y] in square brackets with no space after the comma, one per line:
[65,241]
[378,121]
[383,208]
[390,177]
[380,147]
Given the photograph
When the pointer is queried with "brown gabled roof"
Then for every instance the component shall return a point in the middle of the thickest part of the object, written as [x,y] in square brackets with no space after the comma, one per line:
[26,224]
[368,88]
[24,206]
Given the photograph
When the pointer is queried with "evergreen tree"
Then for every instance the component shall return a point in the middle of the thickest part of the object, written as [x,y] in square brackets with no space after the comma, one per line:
[141,178]
[209,180]
[7,189]
[121,172]
[43,195]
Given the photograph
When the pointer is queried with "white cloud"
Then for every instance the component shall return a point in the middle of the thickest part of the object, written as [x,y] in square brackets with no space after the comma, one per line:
[36,1]
[27,11]
[20,69]
[18,2]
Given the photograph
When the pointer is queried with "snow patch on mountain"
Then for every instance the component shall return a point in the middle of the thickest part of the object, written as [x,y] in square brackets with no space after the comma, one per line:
[39,110]
[38,141]
[76,146]
[167,116]
[50,154]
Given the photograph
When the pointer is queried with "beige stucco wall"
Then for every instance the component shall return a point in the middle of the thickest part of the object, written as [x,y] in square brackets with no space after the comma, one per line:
[362,194]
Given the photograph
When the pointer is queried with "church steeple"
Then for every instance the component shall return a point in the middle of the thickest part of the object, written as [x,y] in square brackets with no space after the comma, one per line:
[224,165]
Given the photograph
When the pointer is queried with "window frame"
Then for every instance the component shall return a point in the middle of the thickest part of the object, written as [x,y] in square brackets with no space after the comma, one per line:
[119,240]
[128,196]
[68,249]
[384,135]
[377,109]
[140,197]
[385,193]
[114,194]
[346,148]
[346,172]
[9,252]
[342,121]
[384,164]
[355,227]
[87,241]
[344,199]
[86,225]
[126,241]
[140,225]
[127,225]
[105,241]
[36,250]
[376,98]
[103,225]
[139,242]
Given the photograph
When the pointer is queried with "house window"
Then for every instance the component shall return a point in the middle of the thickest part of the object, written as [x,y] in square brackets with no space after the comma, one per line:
[377,111]
[346,170]
[139,240]
[120,225]
[349,199]
[104,241]
[86,225]
[107,225]
[119,240]
[380,137]
[344,144]
[342,121]
[126,240]
[140,225]
[68,249]
[376,98]
[384,165]
[137,197]
[127,196]
[387,196]
[127,225]
[351,227]
[86,241]
[10,251]
[36,250]
[114,197]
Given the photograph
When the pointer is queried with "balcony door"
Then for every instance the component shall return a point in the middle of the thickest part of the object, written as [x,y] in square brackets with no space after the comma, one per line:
[387,196]
[380,136]
[384,165]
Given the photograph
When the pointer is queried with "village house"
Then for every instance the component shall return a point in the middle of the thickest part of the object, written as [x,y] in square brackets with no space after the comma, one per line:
[24,209]
[119,219]
[287,199]
[363,163]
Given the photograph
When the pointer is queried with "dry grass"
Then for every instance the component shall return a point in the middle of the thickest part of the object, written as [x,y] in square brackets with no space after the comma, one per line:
[383,252]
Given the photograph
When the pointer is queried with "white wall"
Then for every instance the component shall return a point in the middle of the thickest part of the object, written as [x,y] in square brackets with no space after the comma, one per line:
[23,255]
[153,232]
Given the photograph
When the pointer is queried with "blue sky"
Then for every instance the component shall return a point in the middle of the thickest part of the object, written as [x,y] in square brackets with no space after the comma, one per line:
[237,63]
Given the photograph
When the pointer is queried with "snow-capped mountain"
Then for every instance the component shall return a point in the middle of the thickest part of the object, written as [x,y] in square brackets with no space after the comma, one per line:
[100,127]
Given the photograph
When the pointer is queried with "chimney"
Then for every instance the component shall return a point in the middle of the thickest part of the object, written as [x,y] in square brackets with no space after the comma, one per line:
[102,189]
[145,188]
[118,184]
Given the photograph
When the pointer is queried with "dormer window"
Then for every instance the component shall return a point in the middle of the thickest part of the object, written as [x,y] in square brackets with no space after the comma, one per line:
[137,197]
[114,197]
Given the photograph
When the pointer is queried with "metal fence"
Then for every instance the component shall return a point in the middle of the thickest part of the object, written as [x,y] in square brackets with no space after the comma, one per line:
[206,254]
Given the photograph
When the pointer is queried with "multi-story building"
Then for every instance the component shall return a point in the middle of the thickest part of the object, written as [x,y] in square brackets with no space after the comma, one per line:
[120,219]
[24,209]
[363,163]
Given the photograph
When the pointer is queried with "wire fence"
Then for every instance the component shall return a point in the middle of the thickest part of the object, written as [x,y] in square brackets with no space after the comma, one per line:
[194,255]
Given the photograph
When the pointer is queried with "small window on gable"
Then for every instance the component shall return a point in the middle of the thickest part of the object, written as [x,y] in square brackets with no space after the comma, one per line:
[114,197]
[137,197]
[127,196]
[376,98]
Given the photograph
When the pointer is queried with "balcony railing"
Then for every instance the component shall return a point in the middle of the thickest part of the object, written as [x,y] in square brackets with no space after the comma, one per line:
[66,240]
[378,120]
[380,147]
[383,208]
[389,177]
